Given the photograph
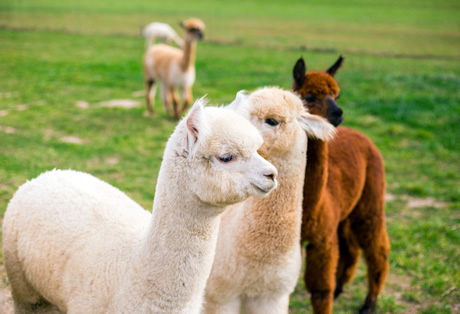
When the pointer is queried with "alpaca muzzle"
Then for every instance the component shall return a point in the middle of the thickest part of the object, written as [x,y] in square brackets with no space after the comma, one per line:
[334,112]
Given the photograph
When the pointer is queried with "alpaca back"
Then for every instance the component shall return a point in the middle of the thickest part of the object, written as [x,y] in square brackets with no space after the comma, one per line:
[52,202]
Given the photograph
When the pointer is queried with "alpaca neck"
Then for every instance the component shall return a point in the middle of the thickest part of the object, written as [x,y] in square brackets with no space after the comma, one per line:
[188,59]
[274,221]
[175,253]
[315,176]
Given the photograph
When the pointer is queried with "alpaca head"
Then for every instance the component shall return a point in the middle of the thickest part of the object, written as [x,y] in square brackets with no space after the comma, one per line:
[219,148]
[282,120]
[193,29]
[319,91]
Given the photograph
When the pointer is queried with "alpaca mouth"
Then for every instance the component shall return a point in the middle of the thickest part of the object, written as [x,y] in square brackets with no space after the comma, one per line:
[262,190]
[337,121]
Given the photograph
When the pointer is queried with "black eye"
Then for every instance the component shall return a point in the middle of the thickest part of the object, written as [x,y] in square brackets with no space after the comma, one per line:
[226,158]
[310,98]
[271,122]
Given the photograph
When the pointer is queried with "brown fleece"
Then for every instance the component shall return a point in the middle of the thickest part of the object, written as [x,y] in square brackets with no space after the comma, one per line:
[343,212]
[319,84]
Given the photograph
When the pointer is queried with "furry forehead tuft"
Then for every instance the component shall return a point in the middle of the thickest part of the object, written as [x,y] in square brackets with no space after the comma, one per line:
[276,103]
[194,23]
[231,133]
[319,84]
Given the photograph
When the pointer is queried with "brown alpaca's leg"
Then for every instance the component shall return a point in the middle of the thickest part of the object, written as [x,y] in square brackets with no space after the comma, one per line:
[349,257]
[150,90]
[368,226]
[319,275]
[376,252]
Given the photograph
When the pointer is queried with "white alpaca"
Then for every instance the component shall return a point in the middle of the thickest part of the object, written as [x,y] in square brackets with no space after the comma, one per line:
[76,244]
[174,69]
[257,260]
[161,31]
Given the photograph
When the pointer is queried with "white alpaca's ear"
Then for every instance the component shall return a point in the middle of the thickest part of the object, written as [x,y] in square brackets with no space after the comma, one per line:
[196,125]
[241,96]
[317,127]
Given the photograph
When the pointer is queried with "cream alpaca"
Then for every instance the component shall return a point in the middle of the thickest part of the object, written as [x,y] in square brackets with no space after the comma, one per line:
[161,31]
[257,260]
[174,69]
[75,244]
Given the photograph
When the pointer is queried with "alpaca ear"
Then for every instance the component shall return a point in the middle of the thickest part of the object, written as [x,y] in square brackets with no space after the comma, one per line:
[299,74]
[241,96]
[317,127]
[333,69]
[196,124]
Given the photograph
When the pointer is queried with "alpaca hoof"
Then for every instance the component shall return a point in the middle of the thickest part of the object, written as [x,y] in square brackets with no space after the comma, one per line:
[148,113]
[368,306]
[338,290]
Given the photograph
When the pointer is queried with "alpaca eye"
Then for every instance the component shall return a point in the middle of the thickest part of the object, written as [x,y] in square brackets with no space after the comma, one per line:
[271,122]
[310,98]
[225,159]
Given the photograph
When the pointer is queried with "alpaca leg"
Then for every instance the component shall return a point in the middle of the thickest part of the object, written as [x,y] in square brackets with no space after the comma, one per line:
[369,229]
[368,226]
[268,305]
[376,249]
[187,97]
[176,103]
[150,91]
[322,258]
[348,257]
[166,99]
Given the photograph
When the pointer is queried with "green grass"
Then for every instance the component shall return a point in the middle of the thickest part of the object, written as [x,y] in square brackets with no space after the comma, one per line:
[399,85]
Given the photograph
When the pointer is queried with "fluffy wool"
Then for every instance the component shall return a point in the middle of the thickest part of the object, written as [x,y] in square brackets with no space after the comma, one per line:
[160,31]
[257,261]
[73,243]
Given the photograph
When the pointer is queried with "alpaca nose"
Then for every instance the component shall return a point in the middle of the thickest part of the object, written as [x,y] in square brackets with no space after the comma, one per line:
[271,176]
[338,112]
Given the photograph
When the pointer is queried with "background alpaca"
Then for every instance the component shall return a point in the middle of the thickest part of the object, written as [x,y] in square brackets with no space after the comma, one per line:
[174,68]
[161,31]
[75,243]
[257,260]
[344,212]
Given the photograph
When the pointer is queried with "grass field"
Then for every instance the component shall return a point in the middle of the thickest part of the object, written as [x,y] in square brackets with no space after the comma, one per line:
[60,61]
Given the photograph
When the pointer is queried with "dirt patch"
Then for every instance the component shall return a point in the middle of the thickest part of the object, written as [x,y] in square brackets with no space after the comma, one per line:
[22,107]
[7,129]
[3,113]
[71,140]
[413,202]
[138,93]
[82,104]
[112,160]
[122,103]
[416,202]
[389,197]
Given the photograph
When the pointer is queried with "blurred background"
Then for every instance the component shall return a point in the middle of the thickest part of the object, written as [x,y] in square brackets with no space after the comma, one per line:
[71,96]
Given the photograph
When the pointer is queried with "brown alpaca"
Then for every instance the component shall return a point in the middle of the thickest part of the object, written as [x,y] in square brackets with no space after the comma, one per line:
[173,68]
[344,211]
